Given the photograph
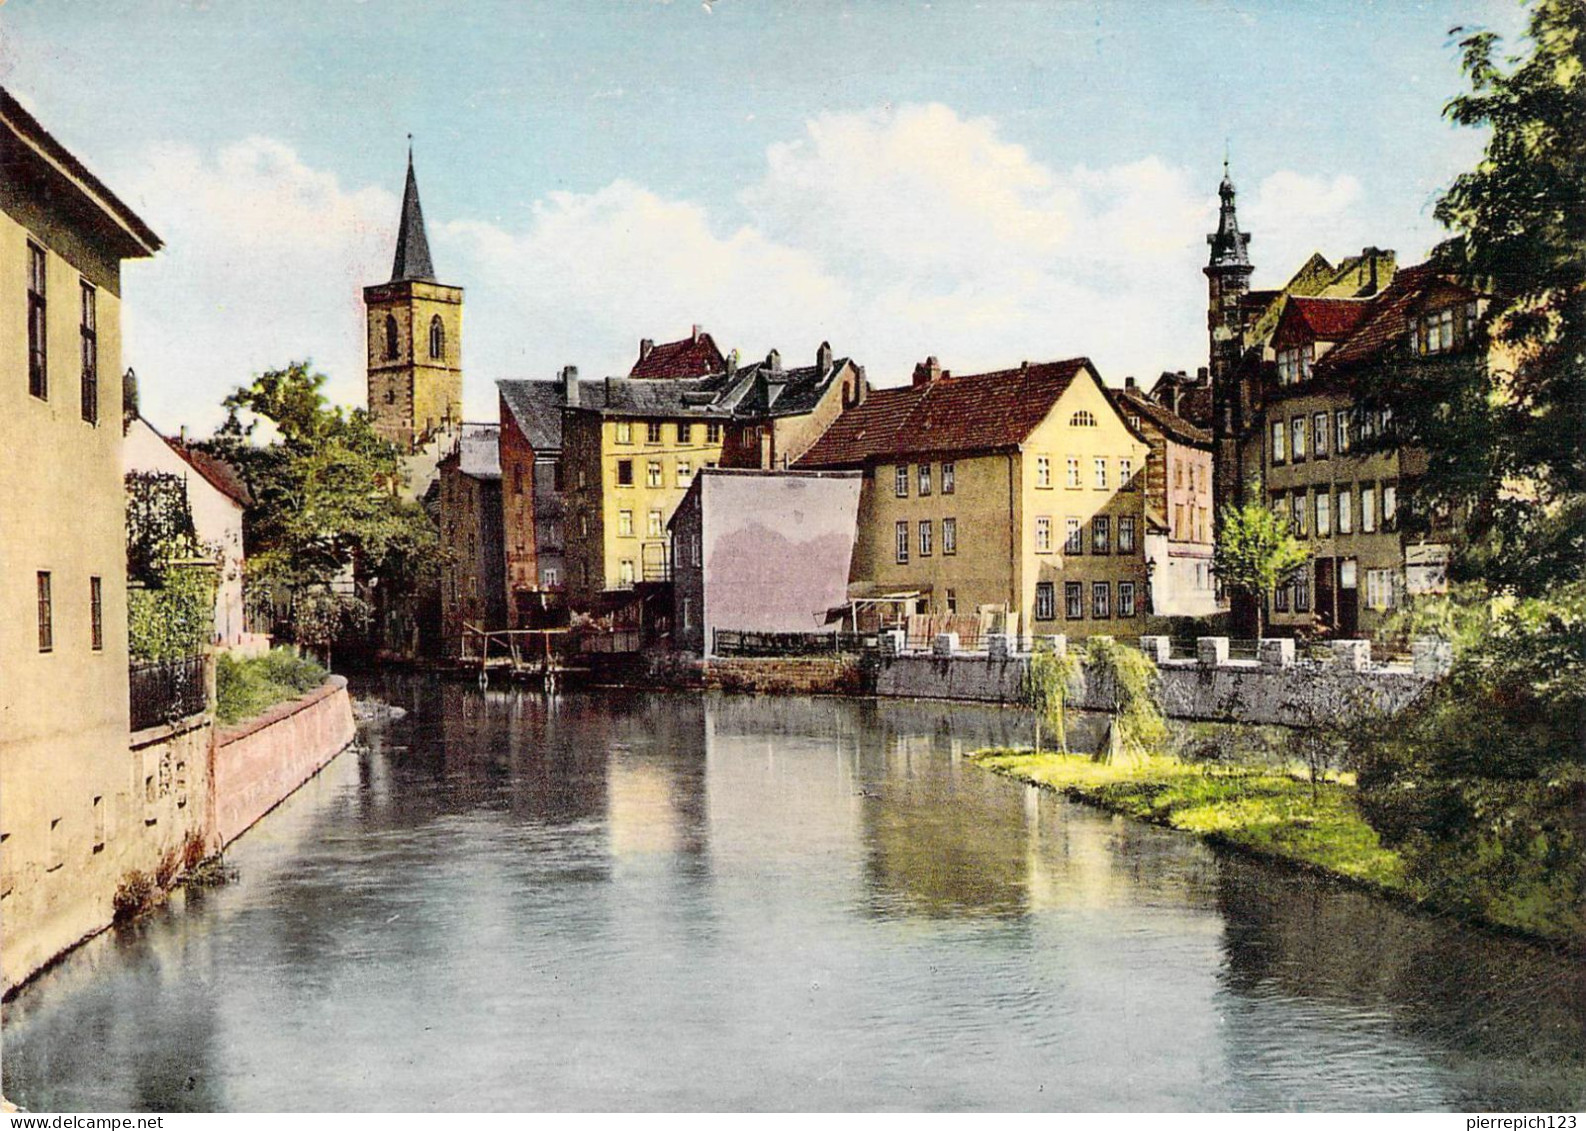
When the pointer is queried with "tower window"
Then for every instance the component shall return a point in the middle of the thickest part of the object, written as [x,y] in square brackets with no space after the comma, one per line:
[391,350]
[437,338]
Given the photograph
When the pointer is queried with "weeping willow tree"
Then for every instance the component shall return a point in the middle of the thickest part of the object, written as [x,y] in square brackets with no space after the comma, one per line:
[1046,684]
[1126,677]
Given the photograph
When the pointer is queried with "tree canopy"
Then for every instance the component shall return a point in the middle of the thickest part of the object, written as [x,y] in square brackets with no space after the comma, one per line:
[1255,552]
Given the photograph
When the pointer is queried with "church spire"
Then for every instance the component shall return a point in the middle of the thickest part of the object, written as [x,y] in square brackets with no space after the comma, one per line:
[412,249]
[1228,242]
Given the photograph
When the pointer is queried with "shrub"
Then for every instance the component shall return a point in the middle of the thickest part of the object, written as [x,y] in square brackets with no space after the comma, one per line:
[134,895]
[245,688]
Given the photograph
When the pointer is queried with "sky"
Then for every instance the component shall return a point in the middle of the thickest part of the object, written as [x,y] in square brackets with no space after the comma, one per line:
[984,182]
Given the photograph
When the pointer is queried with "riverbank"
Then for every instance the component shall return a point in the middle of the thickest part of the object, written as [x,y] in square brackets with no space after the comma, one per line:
[1261,811]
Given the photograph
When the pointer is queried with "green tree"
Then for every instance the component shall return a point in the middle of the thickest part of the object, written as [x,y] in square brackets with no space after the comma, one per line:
[1255,552]
[1127,679]
[326,502]
[1045,690]
[1506,441]
[171,575]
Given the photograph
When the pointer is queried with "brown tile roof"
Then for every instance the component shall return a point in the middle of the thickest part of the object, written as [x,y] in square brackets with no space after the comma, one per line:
[960,414]
[1385,325]
[694,356]
[216,472]
[1175,426]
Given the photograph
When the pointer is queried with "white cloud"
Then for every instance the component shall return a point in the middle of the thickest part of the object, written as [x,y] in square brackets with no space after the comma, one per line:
[893,233]
[1293,215]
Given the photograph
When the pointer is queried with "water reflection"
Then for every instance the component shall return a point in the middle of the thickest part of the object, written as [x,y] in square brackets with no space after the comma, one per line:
[654,901]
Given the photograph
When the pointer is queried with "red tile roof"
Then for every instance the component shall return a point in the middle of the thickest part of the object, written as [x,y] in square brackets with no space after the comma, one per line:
[961,414]
[694,356]
[1385,325]
[1328,319]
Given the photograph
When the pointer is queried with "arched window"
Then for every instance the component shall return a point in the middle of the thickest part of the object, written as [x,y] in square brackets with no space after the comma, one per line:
[391,351]
[437,338]
[1082,419]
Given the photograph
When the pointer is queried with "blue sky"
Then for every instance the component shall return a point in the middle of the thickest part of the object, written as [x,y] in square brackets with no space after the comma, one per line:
[987,182]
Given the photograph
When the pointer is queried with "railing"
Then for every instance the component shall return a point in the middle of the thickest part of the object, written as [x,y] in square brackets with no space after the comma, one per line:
[728,642]
[164,691]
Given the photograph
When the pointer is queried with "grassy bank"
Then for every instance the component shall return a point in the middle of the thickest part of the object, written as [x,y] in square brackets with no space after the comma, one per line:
[1265,811]
[246,688]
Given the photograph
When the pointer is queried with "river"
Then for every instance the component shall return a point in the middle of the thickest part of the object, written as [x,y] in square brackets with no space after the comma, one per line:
[669,901]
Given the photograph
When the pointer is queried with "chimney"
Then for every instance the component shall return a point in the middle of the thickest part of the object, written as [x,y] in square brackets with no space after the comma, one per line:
[1202,375]
[608,390]
[927,371]
[861,385]
[1128,383]
[570,386]
[181,434]
[694,334]
[773,362]
[732,364]
[129,398]
[645,346]
[823,359]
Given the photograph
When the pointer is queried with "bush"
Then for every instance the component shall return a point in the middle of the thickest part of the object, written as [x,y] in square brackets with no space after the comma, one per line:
[245,688]
[1482,784]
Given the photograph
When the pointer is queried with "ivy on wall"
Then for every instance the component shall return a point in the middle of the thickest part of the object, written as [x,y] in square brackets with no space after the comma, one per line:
[171,575]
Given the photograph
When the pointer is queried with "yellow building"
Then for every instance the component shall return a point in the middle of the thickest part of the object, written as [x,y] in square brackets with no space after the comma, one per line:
[632,445]
[71,794]
[415,339]
[1015,492]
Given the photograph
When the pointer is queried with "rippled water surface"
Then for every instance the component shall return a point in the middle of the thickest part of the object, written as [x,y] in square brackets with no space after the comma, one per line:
[632,901]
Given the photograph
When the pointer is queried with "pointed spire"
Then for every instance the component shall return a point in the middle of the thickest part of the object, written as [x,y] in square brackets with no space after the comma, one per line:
[412,249]
[1228,242]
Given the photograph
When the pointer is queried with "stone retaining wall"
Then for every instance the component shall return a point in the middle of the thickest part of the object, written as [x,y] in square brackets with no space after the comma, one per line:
[258,764]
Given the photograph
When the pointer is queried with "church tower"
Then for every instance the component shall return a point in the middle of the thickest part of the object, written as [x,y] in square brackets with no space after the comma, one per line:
[1228,281]
[414,338]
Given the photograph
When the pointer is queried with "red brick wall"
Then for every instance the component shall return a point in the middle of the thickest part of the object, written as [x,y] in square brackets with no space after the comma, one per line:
[517,507]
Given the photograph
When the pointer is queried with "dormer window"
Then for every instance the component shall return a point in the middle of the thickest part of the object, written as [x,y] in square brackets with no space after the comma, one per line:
[1082,419]
[1294,363]
[437,338]
[1435,333]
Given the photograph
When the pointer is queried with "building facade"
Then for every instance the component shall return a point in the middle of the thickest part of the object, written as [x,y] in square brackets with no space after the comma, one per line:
[761,551]
[473,567]
[72,794]
[414,339]
[533,504]
[1017,493]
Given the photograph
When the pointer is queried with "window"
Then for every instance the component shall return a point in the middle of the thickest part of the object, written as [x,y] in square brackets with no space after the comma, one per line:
[392,345]
[1134,422]
[90,341]
[624,473]
[1126,474]
[46,615]
[1381,588]
[38,335]
[1043,535]
[99,824]
[1302,592]
[583,525]
[437,339]
[1280,597]
[1294,363]
[688,612]
[1341,431]
[685,473]
[1126,598]
[1437,331]
[1324,517]
[1045,601]
[1390,505]
[1101,600]
[900,481]
[1297,515]
[656,529]
[1074,600]
[96,614]
[1043,471]
[902,538]
[1277,442]
[1346,508]
[925,479]
[550,577]
[556,476]
[624,430]
[949,536]
[1101,472]
[685,432]
[1368,508]
[1126,534]
[1178,473]
[1073,471]
[952,595]
[625,573]
[1297,439]
[1176,527]
[712,432]
[652,473]
[925,538]
[1075,544]
[696,549]
[1082,419]
[1101,535]
[1319,435]
[948,478]
[652,432]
